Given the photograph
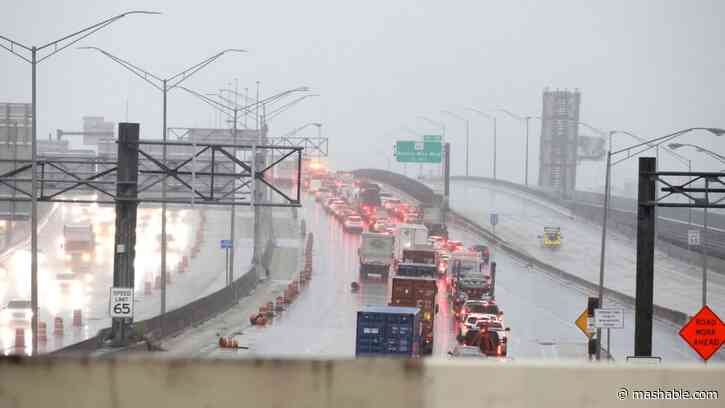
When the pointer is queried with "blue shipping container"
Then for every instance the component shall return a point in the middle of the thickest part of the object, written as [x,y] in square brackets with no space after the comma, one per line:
[388,331]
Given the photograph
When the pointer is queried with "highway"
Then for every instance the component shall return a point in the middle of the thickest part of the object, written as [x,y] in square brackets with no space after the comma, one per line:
[539,308]
[89,292]
[522,219]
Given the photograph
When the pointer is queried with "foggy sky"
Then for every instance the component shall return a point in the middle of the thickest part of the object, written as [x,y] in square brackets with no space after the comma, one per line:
[649,67]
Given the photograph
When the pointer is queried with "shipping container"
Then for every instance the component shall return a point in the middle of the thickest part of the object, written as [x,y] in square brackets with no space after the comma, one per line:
[388,331]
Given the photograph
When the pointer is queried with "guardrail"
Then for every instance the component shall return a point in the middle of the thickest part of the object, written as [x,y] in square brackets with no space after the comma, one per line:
[670,229]
[192,314]
[414,189]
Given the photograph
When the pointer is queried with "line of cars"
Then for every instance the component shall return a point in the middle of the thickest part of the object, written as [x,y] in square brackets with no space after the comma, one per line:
[398,242]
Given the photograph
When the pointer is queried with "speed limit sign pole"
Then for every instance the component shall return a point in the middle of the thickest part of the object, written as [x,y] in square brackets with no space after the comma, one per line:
[121,297]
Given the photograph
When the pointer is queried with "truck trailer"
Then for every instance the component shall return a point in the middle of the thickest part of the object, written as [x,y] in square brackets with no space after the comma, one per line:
[79,245]
[388,331]
[376,254]
[418,292]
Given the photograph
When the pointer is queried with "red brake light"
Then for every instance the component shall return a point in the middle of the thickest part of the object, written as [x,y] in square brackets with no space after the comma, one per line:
[499,350]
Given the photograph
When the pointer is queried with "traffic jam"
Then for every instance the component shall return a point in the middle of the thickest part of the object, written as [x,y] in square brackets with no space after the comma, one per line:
[406,247]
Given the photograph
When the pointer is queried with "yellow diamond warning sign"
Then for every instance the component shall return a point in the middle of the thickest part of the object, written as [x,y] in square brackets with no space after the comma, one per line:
[582,322]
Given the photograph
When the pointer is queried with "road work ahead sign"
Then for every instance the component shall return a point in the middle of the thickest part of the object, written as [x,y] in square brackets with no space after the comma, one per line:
[705,333]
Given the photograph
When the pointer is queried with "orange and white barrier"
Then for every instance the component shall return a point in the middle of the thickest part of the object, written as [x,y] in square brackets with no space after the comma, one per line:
[77,318]
[19,340]
[42,332]
[58,326]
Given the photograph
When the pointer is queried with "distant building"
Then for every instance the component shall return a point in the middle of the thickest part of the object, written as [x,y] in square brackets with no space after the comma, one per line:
[558,153]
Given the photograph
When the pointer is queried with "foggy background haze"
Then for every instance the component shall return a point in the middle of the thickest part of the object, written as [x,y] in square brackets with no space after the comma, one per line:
[649,67]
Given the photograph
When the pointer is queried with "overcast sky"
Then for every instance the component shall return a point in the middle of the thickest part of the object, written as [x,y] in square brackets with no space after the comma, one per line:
[649,67]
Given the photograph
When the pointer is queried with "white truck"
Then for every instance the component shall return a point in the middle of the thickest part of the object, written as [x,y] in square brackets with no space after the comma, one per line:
[79,245]
[409,236]
[376,254]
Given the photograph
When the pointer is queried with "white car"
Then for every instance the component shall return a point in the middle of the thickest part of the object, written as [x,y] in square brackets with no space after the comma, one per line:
[472,321]
[17,312]
[353,223]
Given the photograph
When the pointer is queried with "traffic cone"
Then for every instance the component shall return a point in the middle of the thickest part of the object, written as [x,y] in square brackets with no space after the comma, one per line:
[19,340]
[42,332]
[58,326]
[77,318]
[147,288]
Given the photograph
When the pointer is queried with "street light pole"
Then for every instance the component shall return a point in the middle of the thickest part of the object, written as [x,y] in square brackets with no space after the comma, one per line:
[703,239]
[652,143]
[525,120]
[164,85]
[56,46]
[468,127]
[493,119]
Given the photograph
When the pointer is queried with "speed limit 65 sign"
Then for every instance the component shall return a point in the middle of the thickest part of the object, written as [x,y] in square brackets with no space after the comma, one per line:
[121,302]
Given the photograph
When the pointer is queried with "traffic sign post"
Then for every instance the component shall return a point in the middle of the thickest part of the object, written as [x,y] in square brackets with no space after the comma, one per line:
[609,318]
[410,151]
[693,237]
[705,333]
[226,245]
[121,304]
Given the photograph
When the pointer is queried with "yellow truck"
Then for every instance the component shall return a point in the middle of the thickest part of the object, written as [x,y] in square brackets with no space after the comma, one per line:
[551,237]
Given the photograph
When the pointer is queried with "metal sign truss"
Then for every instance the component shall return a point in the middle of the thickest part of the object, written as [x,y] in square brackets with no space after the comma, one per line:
[193,173]
[700,189]
[314,146]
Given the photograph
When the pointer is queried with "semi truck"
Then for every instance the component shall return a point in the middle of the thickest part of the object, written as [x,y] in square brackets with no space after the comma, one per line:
[388,331]
[409,235]
[79,243]
[418,292]
[434,220]
[421,260]
[466,278]
[376,254]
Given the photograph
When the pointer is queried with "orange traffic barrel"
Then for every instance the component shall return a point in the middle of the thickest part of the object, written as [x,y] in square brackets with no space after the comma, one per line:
[19,339]
[58,326]
[77,318]
[42,332]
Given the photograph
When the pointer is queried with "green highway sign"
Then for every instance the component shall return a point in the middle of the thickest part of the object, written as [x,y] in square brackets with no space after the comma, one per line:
[432,138]
[409,151]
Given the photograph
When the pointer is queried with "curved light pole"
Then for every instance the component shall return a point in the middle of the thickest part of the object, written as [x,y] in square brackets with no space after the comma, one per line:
[164,85]
[651,143]
[468,132]
[21,51]
[704,220]
[493,119]
[524,119]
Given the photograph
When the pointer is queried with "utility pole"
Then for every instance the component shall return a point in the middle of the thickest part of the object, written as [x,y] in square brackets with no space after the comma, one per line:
[644,292]
[126,209]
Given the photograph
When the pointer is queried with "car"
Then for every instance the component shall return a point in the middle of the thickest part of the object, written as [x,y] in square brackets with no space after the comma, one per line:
[462,351]
[17,312]
[65,281]
[353,223]
[380,225]
[469,322]
[454,246]
[391,204]
[486,307]
[483,250]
